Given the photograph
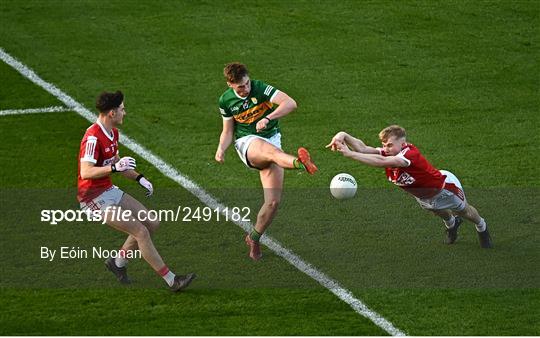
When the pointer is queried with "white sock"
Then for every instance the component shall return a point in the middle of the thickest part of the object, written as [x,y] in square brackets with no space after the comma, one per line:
[169,277]
[481,227]
[450,222]
[120,262]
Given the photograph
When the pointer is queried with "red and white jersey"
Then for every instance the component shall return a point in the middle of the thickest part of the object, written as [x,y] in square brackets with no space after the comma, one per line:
[100,148]
[419,178]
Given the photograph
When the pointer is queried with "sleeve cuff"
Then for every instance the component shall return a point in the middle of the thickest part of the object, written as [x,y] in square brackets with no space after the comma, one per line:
[86,159]
[274,95]
[400,155]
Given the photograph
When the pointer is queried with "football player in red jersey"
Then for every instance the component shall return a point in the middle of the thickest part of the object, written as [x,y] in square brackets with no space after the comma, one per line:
[438,191]
[98,160]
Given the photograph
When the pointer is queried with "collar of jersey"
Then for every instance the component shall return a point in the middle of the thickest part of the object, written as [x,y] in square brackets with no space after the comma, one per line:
[109,136]
[238,96]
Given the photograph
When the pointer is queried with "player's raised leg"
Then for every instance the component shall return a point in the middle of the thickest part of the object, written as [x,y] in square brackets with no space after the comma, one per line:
[272,182]
[262,153]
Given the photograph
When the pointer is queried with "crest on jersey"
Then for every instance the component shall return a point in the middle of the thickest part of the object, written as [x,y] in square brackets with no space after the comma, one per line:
[245,105]
[254,100]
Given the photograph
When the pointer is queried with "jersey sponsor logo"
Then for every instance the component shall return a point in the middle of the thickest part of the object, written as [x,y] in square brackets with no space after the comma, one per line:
[252,114]
[233,109]
[404,179]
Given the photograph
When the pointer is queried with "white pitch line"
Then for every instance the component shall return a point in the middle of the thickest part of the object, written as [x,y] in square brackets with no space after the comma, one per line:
[167,170]
[56,109]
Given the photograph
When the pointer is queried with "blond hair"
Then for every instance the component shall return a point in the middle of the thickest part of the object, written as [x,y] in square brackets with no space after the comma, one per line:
[393,130]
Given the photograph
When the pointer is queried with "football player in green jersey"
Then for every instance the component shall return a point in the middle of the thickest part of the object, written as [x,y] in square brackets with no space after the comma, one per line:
[251,110]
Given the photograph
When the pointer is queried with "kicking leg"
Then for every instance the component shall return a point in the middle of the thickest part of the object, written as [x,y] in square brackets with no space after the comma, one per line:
[261,154]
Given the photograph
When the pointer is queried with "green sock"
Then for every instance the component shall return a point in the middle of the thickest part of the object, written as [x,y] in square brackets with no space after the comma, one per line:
[254,235]
[298,165]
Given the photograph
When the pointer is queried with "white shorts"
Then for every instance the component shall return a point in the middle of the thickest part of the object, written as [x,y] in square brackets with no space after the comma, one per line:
[110,197]
[451,196]
[242,145]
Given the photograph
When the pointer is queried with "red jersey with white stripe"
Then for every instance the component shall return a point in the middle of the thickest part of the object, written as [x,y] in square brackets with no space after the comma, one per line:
[99,147]
[419,178]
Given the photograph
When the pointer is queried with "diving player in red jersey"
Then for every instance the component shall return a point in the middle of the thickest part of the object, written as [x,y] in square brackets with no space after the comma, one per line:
[438,191]
[98,159]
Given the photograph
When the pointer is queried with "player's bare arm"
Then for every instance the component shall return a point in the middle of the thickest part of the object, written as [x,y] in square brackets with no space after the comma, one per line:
[354,143]
[90,171]
[374,160]
[225,139]
[285,105]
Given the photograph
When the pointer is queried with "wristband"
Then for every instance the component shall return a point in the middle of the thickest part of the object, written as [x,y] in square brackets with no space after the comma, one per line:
[266,117]
[139,177]
[113,168]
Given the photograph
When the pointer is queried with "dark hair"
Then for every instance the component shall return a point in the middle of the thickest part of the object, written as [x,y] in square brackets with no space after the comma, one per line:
[234,72]
[108,101]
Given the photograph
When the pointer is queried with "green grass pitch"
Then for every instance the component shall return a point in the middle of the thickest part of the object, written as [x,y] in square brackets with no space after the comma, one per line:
[461,77]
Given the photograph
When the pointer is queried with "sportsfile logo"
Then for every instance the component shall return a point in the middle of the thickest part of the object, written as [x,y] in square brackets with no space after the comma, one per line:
[180,214]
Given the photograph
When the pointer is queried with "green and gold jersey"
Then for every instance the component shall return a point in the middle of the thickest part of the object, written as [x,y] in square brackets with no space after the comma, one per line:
[249,110]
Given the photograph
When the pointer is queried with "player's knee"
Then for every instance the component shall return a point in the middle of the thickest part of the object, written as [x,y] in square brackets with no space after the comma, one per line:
[152,226]
[273,151]
[141,234]
[273,203]
[465,211]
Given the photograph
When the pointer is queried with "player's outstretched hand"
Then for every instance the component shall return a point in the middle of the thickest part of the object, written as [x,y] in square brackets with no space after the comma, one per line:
[342,148]
[146,185]
[125,163]
[338,138]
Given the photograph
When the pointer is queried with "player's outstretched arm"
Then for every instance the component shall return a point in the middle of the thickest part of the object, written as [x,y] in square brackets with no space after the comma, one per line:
[356,144]
[374,160]
[225,139]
